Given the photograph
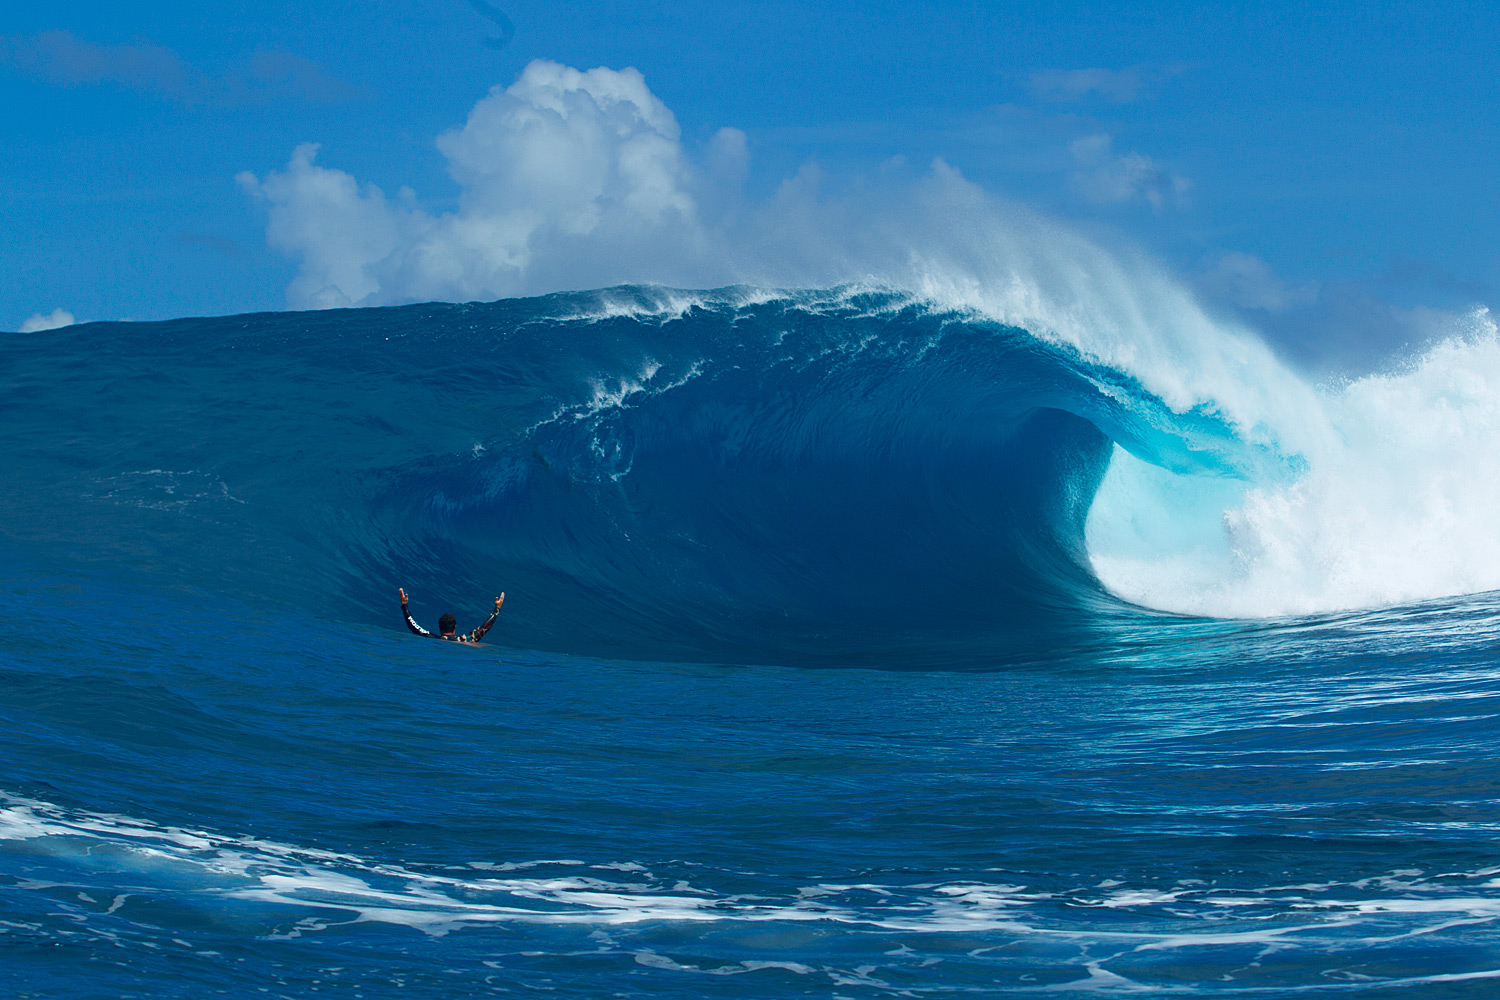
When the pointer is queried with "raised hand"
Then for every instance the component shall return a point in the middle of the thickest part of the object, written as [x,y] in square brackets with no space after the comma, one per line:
[499,600]
[402,591]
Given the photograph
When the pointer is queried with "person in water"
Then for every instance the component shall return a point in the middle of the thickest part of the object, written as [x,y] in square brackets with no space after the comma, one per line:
[448,624]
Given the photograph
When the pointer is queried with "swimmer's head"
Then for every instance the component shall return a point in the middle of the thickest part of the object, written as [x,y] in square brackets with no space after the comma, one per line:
[447,624]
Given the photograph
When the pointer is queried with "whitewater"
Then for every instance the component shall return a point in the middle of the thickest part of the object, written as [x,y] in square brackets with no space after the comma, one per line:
[870,640]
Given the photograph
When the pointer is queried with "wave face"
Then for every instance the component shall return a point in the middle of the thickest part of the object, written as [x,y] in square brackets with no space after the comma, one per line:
[657,475]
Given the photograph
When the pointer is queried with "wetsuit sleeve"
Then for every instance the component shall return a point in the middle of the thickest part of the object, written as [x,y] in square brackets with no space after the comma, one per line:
[419,630]
[479,632]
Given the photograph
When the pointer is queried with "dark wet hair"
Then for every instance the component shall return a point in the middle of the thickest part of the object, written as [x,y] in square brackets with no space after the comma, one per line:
[447,623]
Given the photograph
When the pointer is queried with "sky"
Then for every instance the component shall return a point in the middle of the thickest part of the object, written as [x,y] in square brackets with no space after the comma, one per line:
[1322,173]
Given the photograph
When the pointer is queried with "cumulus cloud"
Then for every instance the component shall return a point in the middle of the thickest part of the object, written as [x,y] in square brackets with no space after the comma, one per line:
[567,179]
[1105,176]
[60,57]
[1248,282]
[54,320]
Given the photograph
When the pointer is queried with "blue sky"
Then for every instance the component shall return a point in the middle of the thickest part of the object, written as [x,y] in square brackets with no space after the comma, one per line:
[1325,173]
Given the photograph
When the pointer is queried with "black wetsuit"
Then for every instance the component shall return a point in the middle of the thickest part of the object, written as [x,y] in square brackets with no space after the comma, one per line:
[473,636]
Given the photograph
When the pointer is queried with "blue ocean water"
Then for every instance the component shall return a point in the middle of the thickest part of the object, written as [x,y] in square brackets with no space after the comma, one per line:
[809,681]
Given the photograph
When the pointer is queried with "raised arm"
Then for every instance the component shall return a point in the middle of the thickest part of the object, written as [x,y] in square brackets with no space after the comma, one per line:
[419,630]
[479,632]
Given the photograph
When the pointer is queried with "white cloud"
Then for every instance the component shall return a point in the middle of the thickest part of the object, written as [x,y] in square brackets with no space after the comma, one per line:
[1106,176]
[567,178]
[54,320]
[1249,282]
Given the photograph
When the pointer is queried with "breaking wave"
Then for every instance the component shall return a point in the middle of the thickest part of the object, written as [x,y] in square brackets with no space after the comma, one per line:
[753,474]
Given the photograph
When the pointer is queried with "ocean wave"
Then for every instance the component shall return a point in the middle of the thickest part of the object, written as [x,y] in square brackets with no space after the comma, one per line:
[754,474]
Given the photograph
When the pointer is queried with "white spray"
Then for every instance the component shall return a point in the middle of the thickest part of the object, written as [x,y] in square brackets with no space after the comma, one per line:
[1396,505]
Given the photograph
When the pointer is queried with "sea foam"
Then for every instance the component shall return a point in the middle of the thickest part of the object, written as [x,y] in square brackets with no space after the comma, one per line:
[1394,503]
